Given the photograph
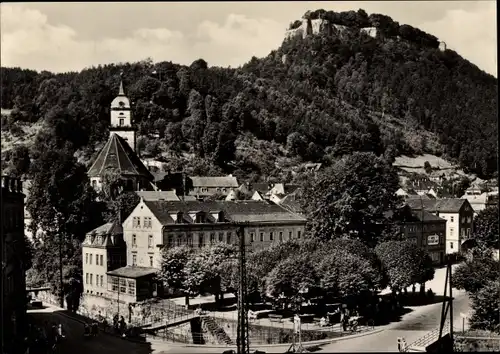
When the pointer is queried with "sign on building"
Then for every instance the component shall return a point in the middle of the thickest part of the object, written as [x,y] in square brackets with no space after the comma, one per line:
[433,240]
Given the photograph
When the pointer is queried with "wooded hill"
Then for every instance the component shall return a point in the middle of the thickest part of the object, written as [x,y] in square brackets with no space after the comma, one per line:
[312,99]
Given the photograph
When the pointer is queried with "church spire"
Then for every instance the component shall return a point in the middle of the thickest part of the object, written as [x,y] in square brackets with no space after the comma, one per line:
[121,92]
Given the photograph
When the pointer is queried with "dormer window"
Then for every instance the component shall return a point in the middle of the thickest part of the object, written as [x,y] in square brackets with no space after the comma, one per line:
[217,215]
[177,217]
[122,122]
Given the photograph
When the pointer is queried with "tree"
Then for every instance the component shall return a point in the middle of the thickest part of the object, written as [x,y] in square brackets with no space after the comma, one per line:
[351,198]
[486,308]
[405,263]
[122,206]
[486,227]
[427,167]
[173,269]
[294,278]
[475,273]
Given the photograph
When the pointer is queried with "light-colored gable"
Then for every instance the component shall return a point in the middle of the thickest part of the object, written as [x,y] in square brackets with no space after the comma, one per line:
[140,210]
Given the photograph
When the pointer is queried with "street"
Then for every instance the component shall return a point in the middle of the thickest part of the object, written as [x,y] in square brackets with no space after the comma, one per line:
[75,343]
[413,325]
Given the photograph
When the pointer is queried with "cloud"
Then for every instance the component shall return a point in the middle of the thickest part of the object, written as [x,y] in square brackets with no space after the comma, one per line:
[470,33]
[29,40]
[59,38]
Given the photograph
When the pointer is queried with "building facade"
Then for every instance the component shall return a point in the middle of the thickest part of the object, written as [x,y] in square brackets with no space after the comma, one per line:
[458,214]
[202,187]
[14,297]
[103,250]
[428,232]
[157,224]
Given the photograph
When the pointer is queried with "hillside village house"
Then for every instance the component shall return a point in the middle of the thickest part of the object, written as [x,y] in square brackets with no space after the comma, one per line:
[153,225]
[480,201]
[202,187]
[457,212]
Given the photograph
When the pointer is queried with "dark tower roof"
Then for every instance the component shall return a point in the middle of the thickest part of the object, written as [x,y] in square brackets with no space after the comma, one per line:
[118,155]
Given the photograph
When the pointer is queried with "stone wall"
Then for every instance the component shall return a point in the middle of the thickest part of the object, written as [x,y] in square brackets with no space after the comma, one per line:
[270,335]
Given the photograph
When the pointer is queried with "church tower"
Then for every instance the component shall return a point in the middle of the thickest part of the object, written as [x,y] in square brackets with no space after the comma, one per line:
[121,118]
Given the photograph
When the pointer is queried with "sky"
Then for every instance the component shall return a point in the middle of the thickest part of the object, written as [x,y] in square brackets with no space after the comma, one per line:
[63,37]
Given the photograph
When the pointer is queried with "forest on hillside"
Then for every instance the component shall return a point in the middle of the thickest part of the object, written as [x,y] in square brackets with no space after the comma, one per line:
[319,98]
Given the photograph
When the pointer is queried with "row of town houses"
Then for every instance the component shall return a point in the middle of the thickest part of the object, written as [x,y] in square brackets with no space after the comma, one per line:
[121,258]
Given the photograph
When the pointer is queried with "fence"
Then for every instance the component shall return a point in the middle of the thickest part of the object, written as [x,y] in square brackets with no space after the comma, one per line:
[258,334]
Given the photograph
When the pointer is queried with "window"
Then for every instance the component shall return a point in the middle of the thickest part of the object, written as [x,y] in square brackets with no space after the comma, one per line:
[252,237]
[212,237]
[464,219]
[228,238]
[150,241]
[468,232]
[298,234]
[147,222]
[102,282]
[170,240]
[122,122]
[101,259]
[96,259]
[281,236]
[134,241]
[114,283]
[86,278]
[131,288]
[469,219]
[86,258]
[221,236]
[90,259]
[290,235]
[134,259]
[136,221]
[451,231]
[451,245]
[261,237]
[462,232]
[189,239]
[123,286]
[91,279]
[271,236]
[451,218]
[150,261]
[200,240]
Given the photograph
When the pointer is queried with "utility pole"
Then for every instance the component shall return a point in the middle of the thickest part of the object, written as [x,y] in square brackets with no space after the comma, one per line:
[242,336]
[447,301]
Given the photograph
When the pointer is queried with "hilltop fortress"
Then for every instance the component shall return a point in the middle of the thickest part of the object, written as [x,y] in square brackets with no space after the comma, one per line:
[375,25]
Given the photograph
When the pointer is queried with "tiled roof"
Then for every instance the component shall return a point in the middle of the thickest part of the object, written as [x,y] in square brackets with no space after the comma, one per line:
[290,203]
[247,210]
[158,195]
[422,215]
[260,187]
[101,236]
[438,205]
[117,154]
[132,272]
[226,181]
